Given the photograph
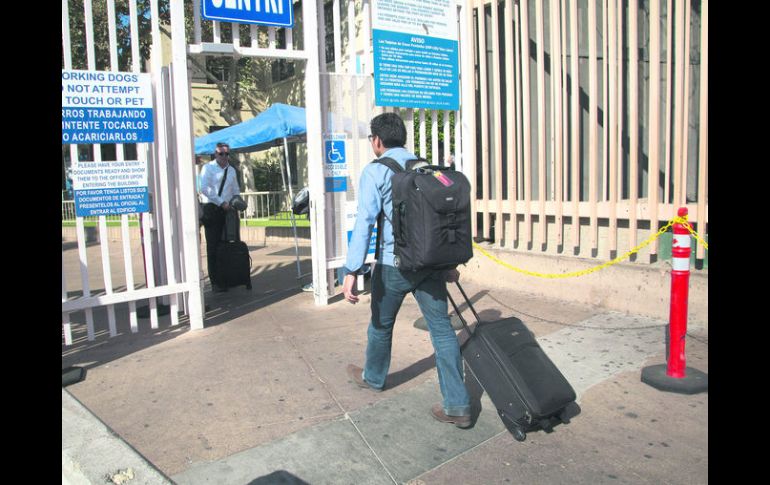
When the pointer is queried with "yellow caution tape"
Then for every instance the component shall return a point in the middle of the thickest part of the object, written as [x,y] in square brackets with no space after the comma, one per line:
[646,242]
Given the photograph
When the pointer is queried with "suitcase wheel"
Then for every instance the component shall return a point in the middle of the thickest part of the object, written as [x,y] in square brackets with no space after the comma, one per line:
[564,417]
[518,434]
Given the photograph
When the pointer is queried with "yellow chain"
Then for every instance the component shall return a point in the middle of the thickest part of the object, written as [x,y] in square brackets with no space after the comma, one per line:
[646,242]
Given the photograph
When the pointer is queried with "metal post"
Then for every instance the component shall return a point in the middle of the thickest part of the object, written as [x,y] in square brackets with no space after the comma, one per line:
[291,203]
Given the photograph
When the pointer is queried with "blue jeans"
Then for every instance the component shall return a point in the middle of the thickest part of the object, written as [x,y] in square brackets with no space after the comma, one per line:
[389,287]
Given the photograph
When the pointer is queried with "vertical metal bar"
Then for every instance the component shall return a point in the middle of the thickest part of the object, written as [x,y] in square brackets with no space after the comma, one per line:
[593,128]
[434,127]
[484,104]
[669,101]
[468,132]
[65,31]
[606,83]
[556,103]
[615,114]
[510,115]
[703,140]
[337,36]
[197,21]
[527,119]
[66,325]
[447,137]
[162,158]
[498,124]
[313,114]
[633,119]
[653,165]
[409,122]
[183,150]
[565,114]
[685,130]
[351,37]
[679,114]
[423,144]
[541,121]
[66,51]
[575,135]
[91,65]
[142,155]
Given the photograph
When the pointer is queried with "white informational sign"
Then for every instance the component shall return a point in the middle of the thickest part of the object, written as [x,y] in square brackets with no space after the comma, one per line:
[106,107]
[104,188]
[415,54]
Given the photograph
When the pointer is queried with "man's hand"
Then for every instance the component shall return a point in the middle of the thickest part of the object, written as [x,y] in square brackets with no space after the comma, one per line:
[452,275]
[349,288]
[225,205]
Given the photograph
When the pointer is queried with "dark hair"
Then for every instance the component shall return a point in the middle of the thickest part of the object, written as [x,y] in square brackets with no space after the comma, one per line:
[390,129]
[222,144]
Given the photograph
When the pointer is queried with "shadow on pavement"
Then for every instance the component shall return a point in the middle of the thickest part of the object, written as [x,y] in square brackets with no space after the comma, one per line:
[280,477]
[271,283]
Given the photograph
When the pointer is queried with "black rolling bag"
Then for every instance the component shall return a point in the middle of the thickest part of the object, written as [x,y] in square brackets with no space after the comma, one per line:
[527,388]
[233,259]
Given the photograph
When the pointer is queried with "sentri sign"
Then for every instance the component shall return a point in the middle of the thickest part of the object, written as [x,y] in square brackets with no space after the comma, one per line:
[277,13]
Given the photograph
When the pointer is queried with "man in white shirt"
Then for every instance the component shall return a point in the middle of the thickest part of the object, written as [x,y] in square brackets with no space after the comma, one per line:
[216,196]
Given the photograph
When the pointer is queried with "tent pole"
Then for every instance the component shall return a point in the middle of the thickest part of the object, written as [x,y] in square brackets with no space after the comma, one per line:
[291,202]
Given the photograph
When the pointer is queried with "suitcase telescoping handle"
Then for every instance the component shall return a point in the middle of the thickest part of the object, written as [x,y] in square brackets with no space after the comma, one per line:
[457,309]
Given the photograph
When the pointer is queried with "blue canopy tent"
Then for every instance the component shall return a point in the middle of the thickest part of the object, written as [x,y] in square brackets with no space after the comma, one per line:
[279,124]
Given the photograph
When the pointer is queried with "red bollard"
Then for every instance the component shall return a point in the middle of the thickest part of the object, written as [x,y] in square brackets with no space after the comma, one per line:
[674,376]
[680,283]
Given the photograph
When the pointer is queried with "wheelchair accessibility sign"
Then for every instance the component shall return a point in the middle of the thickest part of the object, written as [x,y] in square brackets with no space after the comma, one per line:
[335,166]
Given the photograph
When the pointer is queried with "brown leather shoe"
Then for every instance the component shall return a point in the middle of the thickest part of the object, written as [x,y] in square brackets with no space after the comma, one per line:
[355,373]
[437,411]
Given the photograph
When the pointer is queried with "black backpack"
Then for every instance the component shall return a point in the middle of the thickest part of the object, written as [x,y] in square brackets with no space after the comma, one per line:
[431,216]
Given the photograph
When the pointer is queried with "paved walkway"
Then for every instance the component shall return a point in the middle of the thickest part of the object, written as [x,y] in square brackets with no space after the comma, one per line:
[261,396]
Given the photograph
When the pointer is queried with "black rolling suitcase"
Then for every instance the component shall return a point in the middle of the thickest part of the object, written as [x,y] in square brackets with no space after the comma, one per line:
[527,388]
[233,259]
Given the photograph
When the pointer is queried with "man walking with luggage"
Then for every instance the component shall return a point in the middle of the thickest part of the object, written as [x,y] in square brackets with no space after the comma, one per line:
[390,286]
[218,185]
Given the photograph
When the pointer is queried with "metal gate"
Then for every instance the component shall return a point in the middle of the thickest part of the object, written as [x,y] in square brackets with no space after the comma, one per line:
[165,241]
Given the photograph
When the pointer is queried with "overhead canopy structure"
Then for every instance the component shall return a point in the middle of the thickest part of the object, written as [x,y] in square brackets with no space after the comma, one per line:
[272,127]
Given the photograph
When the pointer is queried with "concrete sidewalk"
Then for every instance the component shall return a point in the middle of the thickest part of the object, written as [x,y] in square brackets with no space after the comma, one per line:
[261,396]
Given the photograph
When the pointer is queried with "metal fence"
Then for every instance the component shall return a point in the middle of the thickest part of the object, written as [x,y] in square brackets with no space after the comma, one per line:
[589,114]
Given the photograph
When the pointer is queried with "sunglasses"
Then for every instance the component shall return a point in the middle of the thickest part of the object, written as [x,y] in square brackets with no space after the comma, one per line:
[223,153]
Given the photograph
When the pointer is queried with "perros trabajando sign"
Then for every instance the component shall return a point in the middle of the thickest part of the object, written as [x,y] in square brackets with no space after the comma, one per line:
[106,107]
[278,13]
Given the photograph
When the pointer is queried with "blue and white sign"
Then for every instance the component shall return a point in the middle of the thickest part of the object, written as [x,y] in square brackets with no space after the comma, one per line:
[336,165]
[103,188]
[106,107]
[415,54]
[278,13]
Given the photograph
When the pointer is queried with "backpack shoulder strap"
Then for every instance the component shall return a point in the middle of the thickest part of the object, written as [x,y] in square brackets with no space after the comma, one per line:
[390,163]
[395,167]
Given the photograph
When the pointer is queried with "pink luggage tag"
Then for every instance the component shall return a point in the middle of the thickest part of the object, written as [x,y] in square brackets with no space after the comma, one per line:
[446,181]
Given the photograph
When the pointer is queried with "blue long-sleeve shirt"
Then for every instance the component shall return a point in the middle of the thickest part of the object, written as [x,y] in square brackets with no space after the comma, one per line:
[374,193]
